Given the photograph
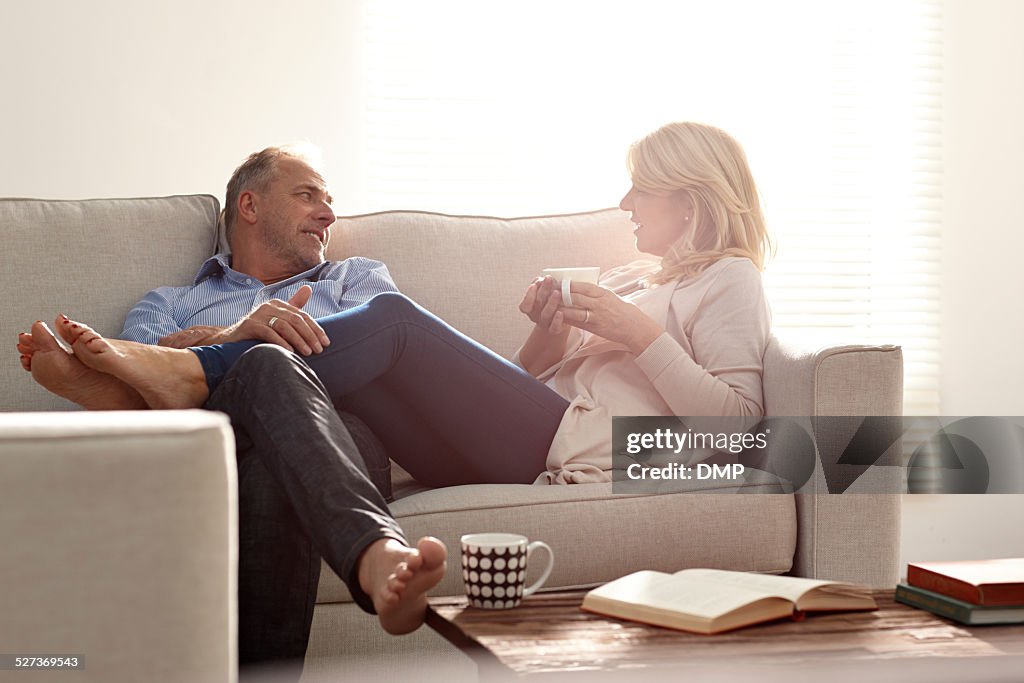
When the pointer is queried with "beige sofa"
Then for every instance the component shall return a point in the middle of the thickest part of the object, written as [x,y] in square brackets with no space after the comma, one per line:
[118,529]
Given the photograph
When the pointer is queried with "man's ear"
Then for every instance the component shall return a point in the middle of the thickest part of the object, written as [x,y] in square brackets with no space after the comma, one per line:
[247,208]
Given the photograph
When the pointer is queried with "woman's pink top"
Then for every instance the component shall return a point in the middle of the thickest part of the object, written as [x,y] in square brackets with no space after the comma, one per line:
[707,362]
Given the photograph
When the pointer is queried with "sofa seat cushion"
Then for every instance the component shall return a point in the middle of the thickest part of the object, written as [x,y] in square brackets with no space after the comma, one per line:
[598,535]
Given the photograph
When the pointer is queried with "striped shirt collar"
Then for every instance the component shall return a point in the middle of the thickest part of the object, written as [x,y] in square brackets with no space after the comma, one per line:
[219,265]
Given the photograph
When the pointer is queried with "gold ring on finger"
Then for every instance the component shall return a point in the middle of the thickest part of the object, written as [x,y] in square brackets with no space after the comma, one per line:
[272,322]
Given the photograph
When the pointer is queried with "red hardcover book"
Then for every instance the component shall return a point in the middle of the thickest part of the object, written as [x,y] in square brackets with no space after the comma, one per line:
[980,582]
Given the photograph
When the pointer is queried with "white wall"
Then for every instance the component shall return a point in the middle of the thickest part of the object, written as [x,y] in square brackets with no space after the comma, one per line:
[983,244]
[982,276]
[120,98]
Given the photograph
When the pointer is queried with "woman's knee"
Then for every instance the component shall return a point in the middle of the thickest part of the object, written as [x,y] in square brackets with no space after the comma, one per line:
[393,306]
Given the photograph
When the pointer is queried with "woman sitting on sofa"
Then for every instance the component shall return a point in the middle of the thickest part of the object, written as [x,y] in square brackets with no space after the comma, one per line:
[681,336]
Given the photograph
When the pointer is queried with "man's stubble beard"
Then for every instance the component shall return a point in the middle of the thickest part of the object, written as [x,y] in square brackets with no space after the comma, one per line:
[283,243]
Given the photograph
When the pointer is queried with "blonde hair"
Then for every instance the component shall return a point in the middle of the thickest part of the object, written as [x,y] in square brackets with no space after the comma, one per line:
[709,167]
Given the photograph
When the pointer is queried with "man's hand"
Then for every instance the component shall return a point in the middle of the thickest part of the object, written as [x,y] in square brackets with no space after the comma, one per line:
[293,329]
[279,322]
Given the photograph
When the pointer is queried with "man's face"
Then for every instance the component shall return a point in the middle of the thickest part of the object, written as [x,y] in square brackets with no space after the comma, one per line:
[295,216]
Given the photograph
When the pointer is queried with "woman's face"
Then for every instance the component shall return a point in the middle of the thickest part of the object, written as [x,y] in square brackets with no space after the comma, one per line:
[660,219]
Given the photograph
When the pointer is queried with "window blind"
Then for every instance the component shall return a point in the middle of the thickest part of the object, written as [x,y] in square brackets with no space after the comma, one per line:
[528,108]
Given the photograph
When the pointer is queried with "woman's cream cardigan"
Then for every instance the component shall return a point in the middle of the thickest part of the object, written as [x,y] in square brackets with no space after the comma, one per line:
[708,362]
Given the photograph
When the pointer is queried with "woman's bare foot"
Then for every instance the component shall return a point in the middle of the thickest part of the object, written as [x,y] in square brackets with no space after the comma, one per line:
[397,578]
[166,378]
[55,369]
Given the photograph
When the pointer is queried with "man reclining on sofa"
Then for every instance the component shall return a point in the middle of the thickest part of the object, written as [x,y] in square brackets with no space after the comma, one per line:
[279,216]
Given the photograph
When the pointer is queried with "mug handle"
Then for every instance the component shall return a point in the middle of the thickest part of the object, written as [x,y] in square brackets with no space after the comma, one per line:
[567,300]
[547,570]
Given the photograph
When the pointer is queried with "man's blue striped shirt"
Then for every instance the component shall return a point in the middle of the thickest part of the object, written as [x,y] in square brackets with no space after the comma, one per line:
[221,296]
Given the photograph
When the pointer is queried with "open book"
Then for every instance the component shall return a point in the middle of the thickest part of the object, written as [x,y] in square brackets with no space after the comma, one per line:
[714,600]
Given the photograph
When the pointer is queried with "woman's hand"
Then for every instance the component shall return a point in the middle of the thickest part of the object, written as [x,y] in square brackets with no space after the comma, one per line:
[546,343]
[541,305]
[601,311]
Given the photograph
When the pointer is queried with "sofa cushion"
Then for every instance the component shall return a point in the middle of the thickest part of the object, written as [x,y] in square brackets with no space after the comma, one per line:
[472,271]
[92,259]
[598,536]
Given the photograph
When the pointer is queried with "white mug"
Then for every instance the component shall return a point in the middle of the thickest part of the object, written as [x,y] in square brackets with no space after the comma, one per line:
[566,275]
[494,569]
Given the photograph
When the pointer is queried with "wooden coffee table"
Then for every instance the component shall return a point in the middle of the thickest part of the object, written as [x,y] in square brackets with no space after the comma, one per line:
[549,634]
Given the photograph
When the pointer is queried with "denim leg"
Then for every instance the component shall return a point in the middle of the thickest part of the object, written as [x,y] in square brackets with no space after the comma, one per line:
[218,359]
[371,452]
[448,409]
[280,406]
[278,568]
[413,442]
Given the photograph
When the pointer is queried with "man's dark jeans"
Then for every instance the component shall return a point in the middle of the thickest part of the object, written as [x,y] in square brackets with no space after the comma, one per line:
[304,492]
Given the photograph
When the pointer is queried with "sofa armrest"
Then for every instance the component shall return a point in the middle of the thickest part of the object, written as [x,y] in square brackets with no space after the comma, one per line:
[850,536]
[119,542]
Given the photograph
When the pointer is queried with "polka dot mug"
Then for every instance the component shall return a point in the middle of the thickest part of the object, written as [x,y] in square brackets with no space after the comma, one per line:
[494,569]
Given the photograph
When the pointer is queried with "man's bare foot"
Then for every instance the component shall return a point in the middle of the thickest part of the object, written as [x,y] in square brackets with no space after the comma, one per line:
[166,378]
[58,371]
[397,578]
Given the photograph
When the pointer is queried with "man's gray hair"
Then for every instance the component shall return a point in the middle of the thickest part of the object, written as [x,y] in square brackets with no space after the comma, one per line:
[256,173]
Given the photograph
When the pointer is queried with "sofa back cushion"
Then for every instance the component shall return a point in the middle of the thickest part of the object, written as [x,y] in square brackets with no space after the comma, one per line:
[92,259]
[472,271]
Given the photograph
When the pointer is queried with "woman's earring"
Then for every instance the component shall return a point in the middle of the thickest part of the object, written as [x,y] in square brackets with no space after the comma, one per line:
[686,218]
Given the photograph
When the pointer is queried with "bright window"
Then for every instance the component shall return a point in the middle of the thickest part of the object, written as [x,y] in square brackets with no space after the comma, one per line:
[527,108]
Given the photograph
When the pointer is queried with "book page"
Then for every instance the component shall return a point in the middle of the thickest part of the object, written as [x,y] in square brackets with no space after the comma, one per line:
[790,588]
[667,591]
[979,572]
